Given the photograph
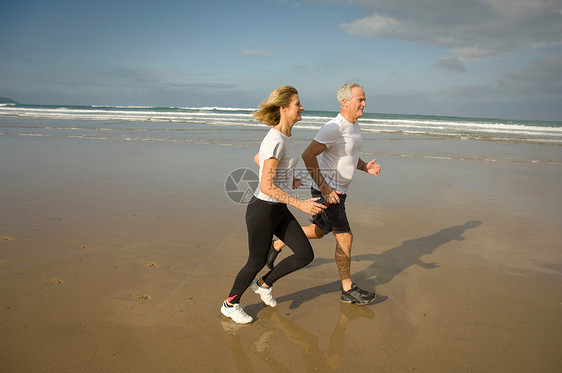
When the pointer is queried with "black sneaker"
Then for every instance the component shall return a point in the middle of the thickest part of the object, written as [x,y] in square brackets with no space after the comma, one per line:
[356,295]
[271,256]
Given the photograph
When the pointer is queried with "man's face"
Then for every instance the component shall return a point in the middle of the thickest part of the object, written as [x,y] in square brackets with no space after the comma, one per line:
[354,107]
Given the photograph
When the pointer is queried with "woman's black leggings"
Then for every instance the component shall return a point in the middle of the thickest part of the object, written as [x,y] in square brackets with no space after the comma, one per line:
[263,220]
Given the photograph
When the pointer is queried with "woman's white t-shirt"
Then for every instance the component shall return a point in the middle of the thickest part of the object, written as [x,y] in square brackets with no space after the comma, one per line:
[281,147]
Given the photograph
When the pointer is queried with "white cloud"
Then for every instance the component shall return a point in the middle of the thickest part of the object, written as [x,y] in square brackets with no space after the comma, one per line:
[469,28]
[451,63]
[373,25]
[474,52]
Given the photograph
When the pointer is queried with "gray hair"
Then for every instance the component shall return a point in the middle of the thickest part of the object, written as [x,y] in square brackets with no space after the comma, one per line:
[344,93]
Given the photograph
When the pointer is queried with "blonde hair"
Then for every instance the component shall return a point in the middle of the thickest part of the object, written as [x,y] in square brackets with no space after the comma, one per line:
[268,111]
[345,93]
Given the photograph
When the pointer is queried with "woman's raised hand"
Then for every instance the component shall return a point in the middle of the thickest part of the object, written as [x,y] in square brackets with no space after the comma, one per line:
[310,206]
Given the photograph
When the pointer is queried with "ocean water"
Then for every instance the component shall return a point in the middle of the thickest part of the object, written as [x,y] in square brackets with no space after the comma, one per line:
[461,138]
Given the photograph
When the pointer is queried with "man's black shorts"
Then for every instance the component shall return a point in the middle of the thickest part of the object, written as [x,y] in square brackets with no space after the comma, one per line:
[334,218]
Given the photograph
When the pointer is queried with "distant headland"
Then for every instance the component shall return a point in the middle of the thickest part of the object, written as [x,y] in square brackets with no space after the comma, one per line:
[5,100]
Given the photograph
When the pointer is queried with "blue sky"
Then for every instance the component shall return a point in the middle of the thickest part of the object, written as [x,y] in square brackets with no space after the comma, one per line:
[477,58]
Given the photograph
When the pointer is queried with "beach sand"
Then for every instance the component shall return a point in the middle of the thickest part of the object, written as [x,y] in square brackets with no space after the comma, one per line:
[115,256]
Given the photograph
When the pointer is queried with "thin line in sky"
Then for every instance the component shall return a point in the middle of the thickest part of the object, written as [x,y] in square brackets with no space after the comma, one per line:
[390,76]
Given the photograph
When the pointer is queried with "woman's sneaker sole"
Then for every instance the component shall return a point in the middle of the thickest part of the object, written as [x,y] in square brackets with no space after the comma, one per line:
[236,313]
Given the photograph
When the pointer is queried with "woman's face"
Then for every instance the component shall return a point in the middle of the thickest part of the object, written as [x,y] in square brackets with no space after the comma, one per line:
[294,110]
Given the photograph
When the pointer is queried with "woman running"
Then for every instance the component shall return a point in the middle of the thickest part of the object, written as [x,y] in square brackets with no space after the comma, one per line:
[267,213]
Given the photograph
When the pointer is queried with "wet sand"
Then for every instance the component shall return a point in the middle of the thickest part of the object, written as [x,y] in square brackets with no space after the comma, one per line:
[115,256]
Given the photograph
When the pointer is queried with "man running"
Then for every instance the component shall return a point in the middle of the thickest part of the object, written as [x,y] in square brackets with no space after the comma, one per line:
[331,159]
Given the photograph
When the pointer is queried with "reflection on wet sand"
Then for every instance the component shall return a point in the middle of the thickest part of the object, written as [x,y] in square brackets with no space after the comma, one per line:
[314,359]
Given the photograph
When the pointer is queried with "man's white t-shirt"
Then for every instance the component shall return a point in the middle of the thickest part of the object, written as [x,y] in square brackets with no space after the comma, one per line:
[339,161]
[281,147]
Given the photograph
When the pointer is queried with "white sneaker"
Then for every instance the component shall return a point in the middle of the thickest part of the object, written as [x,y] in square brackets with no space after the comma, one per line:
[264,293]
[236,313]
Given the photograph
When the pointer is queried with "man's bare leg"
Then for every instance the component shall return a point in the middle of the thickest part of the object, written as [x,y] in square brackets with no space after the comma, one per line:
[312,231]
[343,258]
[350,292]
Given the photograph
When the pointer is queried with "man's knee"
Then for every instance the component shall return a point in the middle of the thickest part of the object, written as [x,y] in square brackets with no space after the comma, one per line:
[313,231]
[344,240]
[318,231]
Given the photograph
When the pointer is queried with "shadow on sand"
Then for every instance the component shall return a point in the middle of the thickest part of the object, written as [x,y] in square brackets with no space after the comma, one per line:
[384,268]
[387,265]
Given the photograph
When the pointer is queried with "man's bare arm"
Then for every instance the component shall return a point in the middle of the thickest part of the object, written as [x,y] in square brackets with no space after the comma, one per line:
[309,156]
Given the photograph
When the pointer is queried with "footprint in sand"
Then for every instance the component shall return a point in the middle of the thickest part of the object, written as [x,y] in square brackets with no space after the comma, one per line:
[143,297]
